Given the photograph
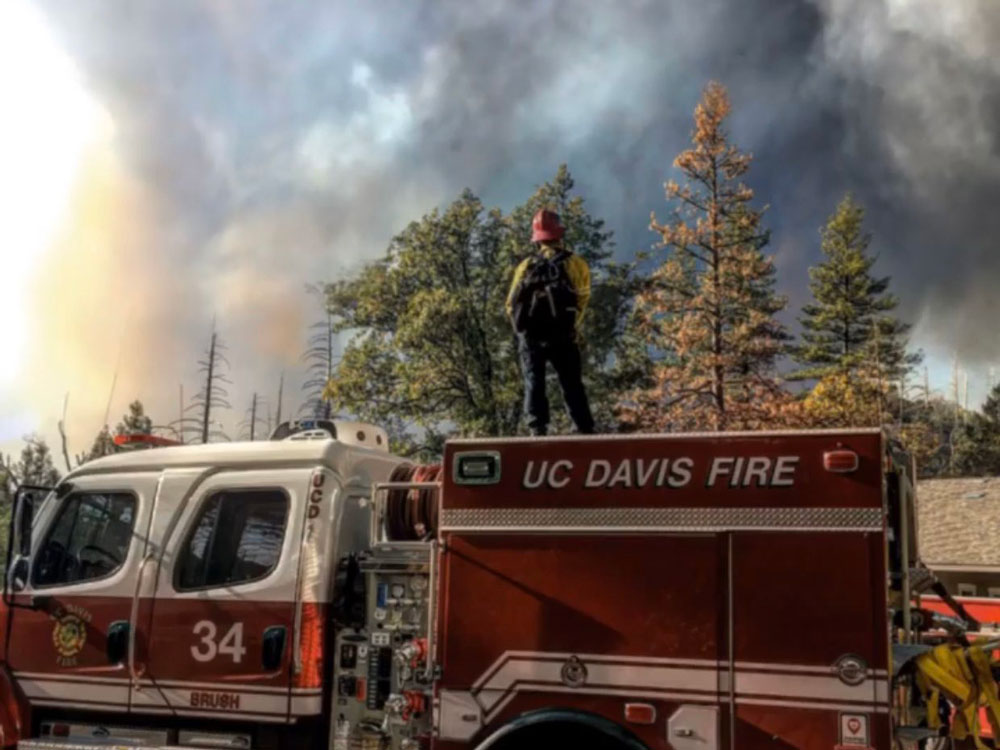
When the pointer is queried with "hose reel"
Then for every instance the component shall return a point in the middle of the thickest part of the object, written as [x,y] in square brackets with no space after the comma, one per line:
[412,514]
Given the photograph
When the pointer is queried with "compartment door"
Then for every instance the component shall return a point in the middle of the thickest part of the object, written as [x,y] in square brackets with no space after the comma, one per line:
[810,640]
[587,621]
[217,631]
[71,650]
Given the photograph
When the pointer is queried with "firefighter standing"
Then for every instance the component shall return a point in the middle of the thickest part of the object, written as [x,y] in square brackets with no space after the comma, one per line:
[547,298]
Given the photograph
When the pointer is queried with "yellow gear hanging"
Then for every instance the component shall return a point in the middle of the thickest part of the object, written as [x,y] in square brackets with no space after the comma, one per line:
[965,677]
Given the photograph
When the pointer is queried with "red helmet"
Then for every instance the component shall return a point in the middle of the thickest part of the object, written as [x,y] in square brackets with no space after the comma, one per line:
[546,226]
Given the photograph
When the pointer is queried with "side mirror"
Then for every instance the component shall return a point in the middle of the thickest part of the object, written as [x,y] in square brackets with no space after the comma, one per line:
[24,515]
[18,574]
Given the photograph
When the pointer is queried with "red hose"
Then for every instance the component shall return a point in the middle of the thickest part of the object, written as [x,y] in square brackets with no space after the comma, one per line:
[412,514]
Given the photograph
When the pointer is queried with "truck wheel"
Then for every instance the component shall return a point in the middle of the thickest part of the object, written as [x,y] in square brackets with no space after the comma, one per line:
[560,734]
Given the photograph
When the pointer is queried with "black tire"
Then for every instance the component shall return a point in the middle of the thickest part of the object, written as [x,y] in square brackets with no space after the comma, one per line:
[557,735]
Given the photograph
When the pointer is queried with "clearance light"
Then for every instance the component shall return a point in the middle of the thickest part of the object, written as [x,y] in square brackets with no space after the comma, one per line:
[840,461]
[476,468]
[640,713]
[310,648]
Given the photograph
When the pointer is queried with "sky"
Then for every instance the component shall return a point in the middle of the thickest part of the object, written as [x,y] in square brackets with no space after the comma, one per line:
[164,165]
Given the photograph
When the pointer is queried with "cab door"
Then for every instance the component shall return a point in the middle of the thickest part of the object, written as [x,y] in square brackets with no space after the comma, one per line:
[69,636]
[217,628]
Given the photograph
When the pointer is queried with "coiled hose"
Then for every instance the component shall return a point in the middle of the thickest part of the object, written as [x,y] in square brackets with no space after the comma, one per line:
[412,515]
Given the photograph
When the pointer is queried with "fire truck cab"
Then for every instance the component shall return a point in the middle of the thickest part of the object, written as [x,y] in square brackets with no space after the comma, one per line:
[164,590]
[692,592]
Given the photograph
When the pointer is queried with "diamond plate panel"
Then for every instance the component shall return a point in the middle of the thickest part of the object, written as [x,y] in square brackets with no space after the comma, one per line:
[681,519]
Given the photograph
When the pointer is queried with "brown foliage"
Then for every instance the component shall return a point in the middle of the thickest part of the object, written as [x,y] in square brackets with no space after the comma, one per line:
[707,311]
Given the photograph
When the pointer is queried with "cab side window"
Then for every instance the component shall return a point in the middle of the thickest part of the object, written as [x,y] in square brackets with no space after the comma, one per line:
[89,538]
[236,538]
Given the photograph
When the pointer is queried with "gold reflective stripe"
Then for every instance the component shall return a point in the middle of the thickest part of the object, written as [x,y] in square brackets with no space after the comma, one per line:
[579,276]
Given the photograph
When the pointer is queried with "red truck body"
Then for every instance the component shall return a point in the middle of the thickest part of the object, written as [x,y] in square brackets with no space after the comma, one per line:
[729,572]
[690,592]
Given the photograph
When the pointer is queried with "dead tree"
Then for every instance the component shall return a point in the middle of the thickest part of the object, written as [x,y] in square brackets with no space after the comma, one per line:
[321,361]
[281,397]
[212,396]
[248,427]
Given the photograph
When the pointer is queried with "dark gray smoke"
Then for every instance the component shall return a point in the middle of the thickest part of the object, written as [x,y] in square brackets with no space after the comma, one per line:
[282,143]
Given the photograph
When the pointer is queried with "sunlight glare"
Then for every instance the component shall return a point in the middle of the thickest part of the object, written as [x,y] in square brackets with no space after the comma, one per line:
[47,121]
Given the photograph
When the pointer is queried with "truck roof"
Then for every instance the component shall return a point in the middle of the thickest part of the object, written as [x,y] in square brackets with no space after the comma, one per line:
[241,455]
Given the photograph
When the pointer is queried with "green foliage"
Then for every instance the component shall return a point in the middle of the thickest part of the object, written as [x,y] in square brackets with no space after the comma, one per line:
[848,326]
[133,422]
[431,351]
[103,445]
[939,434]
[6,505]
[36,466]
[976,443]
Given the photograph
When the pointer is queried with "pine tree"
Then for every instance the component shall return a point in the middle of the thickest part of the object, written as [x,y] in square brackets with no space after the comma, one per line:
[103,445]
[707,312]
[7,482]
[848,326]
[136,422]
[36,466]
[977,440]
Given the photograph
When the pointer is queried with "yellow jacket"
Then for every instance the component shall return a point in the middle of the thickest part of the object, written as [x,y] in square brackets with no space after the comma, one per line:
[576,269]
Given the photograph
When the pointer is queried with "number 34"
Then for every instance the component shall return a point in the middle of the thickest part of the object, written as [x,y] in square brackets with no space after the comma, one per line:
[208,648]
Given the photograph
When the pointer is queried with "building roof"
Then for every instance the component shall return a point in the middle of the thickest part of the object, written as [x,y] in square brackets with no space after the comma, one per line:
[959,522]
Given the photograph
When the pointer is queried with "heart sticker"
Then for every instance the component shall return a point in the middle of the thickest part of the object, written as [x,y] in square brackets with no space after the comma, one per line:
[854,725]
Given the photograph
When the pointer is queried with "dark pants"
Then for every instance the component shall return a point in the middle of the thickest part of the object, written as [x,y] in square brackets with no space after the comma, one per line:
[565,358]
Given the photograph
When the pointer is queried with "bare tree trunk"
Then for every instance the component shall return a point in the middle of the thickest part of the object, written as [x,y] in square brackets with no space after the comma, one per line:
[208,390]
[62,434]
[281,389]
[718,372]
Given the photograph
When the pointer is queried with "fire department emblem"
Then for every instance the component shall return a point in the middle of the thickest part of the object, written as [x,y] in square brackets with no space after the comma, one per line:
[68,636]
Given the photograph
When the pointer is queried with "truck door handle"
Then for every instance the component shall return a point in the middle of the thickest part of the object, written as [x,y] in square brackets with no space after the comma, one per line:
[273,647]
[117,641]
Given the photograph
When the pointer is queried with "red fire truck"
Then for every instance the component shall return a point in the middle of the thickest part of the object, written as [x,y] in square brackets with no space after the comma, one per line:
[693,592]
